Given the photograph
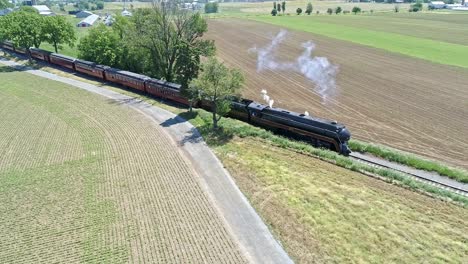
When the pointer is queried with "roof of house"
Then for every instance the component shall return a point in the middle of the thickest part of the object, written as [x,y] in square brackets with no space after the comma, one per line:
[437,3]
[41,8]
[84,12]
[90,19]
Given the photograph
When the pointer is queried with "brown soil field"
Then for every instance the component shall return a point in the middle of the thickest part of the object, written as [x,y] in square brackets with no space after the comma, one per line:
[385,98]
[86,180]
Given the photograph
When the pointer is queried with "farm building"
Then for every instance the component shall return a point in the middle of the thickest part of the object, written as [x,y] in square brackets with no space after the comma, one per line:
[43,10]
[437,5]
[89,21]
[83,14]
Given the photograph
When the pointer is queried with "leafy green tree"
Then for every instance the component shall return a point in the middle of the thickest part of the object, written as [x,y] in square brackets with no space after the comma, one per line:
[172,40]
[99,5]
[102,45]
[5,4]
[278,7]
[25,29]
[330,11]
[274,5]
[283,6]
[29,9]
[217,83]
[356,10]
[211,8]
[338,10]
[59,31]
[309,8]
[298,11]
[274,12]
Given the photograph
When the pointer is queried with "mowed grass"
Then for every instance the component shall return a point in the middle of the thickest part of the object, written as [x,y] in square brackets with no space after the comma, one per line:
[323,213]
[84,179]
[422,48]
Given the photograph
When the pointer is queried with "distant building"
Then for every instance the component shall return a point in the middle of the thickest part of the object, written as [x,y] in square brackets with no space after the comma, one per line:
[88,21]
[43,10]
[83,14]
[437,5]
[126,13]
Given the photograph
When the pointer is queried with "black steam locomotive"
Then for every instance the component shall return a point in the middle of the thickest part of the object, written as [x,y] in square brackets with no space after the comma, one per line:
[319,132]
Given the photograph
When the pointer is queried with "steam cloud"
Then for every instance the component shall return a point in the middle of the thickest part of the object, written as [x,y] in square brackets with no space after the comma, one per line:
[317,69]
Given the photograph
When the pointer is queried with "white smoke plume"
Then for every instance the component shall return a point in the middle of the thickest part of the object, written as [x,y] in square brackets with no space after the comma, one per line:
[316,69]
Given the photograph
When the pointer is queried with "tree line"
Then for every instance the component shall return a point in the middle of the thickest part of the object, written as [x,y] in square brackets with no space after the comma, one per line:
[26,28]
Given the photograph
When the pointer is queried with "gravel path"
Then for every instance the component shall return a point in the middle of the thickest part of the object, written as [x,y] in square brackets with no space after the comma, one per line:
[244,224]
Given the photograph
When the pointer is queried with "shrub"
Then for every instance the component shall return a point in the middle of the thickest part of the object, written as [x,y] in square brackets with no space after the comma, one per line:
[396,8]
[330,11]
[309,8]
[338,10]
[274,12]
[299,11]
[318,12]
[346,12]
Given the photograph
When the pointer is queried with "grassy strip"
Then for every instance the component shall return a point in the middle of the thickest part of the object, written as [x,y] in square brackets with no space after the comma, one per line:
[231,127]
[435,51]
[409,159]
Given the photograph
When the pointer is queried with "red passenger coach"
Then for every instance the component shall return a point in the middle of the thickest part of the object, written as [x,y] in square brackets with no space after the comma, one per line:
[40,54]
[129,79]
[90,68]
[165,90]
[62,60]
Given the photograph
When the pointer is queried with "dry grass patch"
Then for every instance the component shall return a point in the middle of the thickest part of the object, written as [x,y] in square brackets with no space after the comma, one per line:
[323,213]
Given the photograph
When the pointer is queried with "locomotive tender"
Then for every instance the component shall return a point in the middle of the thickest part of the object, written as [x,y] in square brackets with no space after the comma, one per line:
[320,132]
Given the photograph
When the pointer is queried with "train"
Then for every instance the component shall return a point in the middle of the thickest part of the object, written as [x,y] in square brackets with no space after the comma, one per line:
[316,131]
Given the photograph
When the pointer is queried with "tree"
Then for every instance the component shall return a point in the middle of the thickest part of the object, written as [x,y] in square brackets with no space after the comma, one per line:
[309,8]
[283,6]
[356,10]
[274,5]
[217,83]
[330,11]
[25,29]
[396,8]
[278,7]
[101,45]
[99,5]
[274,12]
[298,11]
[59,31]
[211,8]
[338,10]
[5,4]
[171,40]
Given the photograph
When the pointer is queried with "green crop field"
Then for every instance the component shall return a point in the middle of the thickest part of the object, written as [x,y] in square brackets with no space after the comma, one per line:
[84,179]
[423,48]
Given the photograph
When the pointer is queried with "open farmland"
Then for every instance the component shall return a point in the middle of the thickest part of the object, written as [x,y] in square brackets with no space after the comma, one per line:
[395,100]
[326,214]
[83,179]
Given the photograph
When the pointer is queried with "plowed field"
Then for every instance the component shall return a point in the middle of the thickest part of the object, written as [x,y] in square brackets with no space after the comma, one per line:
[86,180]
[386,98]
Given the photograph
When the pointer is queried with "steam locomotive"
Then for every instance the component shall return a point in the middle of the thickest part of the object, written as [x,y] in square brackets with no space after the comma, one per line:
[319,132]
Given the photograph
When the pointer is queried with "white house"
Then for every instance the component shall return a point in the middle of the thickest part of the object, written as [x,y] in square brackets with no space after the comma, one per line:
[89,21]
[43,10]
[437,5]
[83,14]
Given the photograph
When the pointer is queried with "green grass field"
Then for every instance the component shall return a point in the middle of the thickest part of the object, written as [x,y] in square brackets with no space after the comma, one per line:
[422,48]
[87,180]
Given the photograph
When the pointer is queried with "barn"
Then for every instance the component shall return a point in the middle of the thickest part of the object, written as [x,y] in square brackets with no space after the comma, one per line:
[83,14]
[88,21]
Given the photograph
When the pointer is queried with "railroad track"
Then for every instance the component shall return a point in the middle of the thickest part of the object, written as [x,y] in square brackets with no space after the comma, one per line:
[423,176]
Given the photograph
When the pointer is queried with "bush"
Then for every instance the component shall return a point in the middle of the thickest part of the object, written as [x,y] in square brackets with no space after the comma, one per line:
[338,10]
[274,12]
[330,11]
[318,12]
[100,5]
[356,10]
[299,11]
[211,8]
[346,12]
